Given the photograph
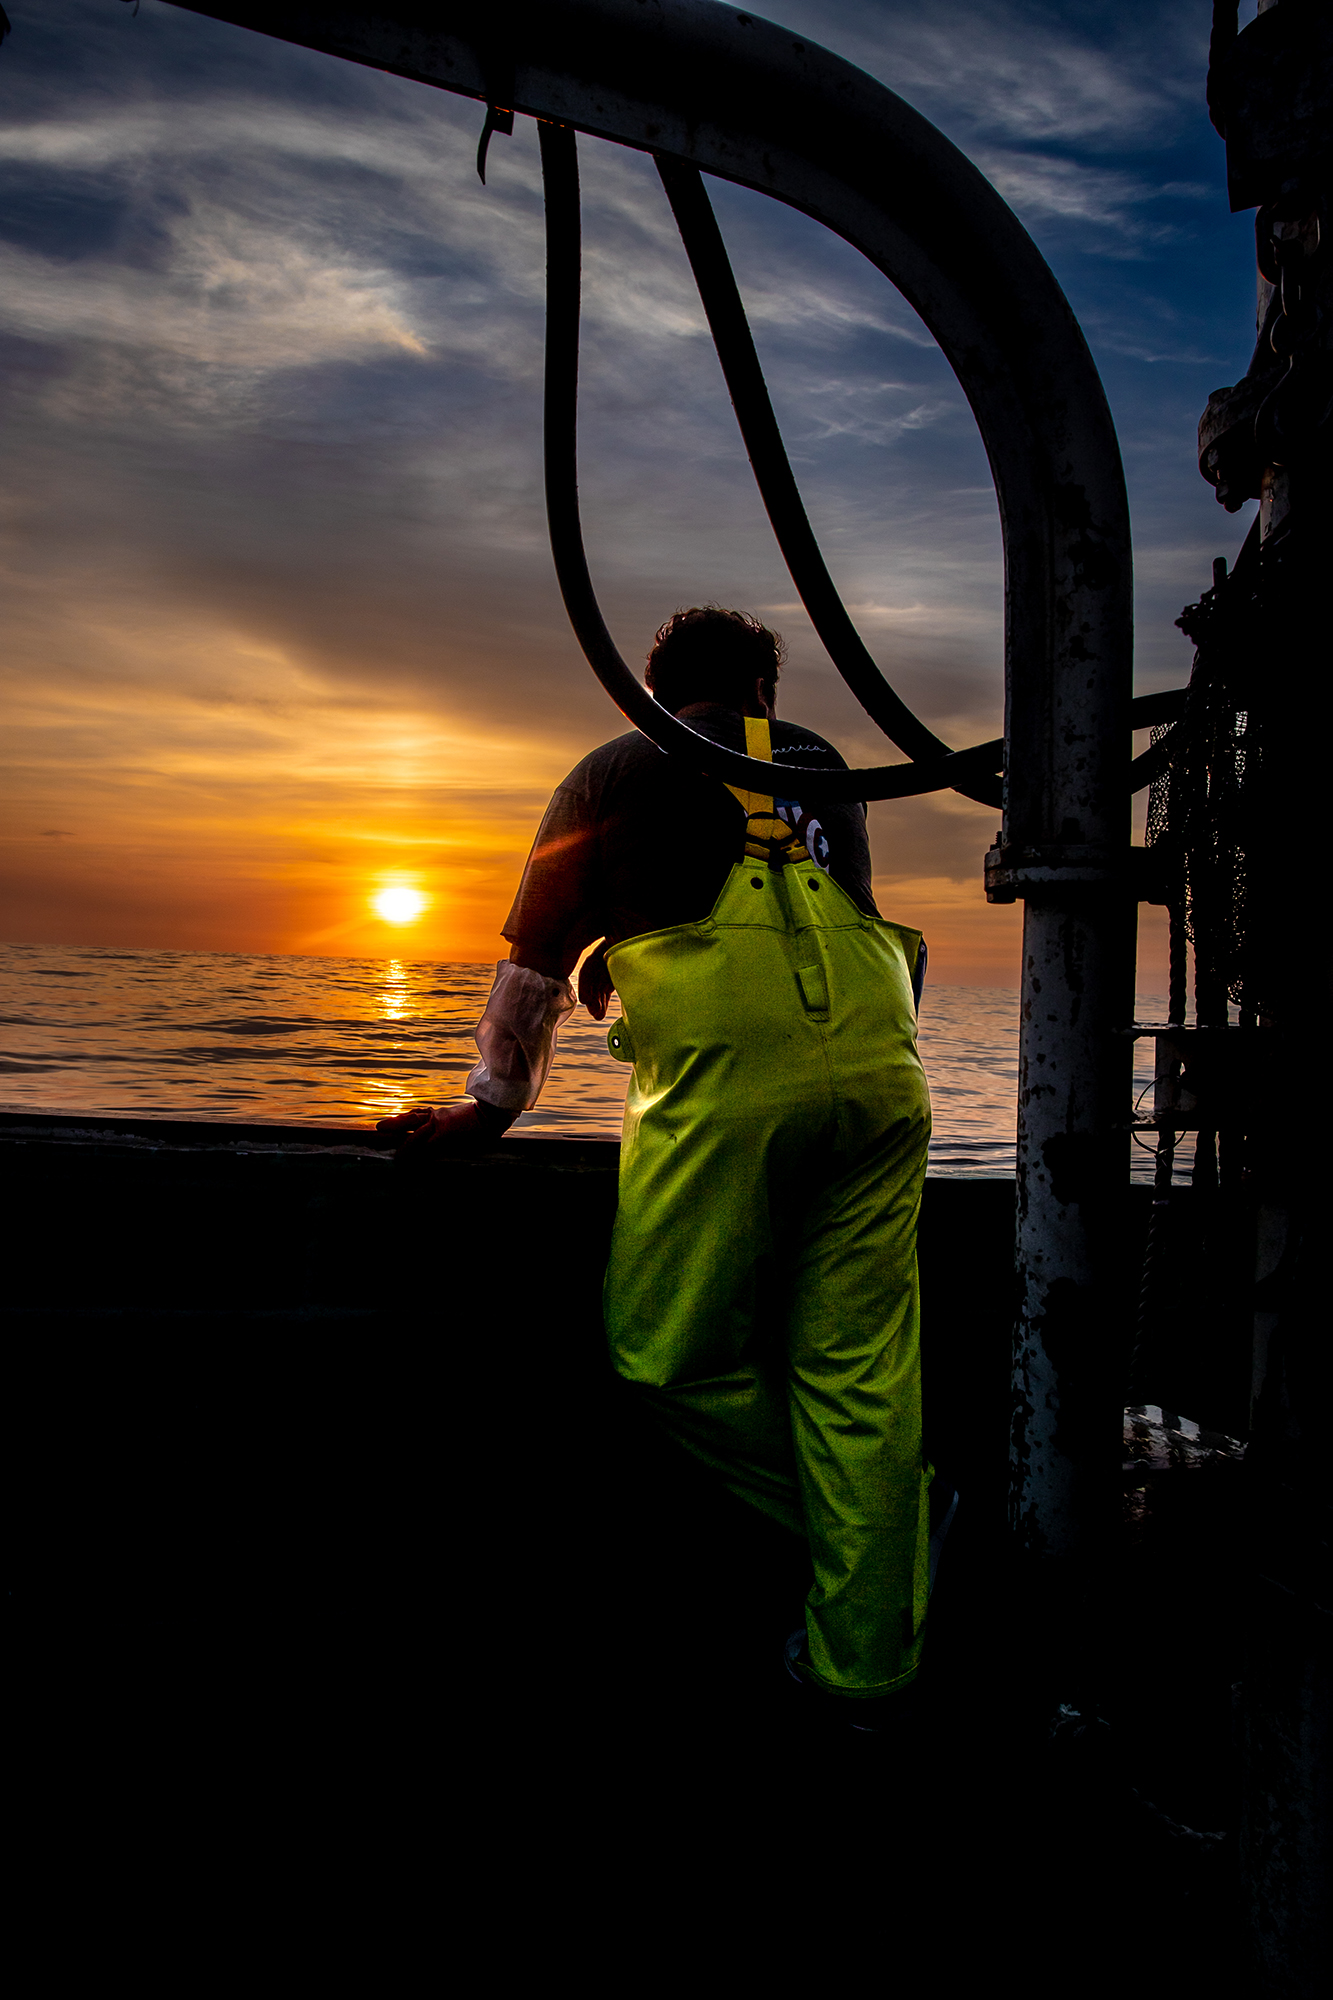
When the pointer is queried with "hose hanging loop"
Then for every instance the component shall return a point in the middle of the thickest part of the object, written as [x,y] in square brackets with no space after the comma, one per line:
[781,496]
[563,256]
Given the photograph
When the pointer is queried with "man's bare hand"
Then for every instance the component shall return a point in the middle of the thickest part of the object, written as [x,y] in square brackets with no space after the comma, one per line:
[404,1122]
[461,1127]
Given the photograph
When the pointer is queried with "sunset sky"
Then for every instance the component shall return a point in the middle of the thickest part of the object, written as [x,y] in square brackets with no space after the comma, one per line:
[280,626]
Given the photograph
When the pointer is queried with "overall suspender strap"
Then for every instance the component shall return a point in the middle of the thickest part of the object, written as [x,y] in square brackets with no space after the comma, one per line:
[768,836]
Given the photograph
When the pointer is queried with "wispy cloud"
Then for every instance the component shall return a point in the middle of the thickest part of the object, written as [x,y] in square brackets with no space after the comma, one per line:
[1038,185]
[1052,102]
[1024,70]
[231,297]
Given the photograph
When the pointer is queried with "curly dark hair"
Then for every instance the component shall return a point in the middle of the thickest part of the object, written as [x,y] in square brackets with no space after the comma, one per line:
[711,654]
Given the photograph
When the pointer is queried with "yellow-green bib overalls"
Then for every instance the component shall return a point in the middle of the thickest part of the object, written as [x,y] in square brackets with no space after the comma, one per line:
[762,1283]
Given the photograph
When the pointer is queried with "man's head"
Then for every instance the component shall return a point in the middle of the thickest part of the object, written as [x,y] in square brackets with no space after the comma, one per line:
[709,654]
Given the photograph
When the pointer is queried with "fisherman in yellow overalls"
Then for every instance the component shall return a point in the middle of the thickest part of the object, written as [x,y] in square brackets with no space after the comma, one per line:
[776,1125]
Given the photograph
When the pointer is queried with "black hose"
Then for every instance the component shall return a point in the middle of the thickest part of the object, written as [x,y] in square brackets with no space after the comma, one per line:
[939,772]
[971,772]
[781,496]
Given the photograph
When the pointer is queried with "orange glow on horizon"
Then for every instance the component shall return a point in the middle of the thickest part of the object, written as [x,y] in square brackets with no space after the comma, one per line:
[202,791]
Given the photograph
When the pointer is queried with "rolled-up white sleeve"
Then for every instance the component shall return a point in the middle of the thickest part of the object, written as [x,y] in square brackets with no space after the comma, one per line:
[517,1036]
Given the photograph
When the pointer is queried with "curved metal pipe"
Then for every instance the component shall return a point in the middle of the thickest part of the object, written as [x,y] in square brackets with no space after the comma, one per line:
[745,99]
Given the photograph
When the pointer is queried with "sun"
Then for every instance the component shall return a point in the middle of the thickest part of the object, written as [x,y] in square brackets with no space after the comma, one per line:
[399,906]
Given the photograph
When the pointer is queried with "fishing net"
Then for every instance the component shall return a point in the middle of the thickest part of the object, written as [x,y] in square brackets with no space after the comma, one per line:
[1205,808]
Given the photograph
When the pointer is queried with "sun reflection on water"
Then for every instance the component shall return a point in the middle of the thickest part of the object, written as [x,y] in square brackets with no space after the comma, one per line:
[386,1096]
[393,996]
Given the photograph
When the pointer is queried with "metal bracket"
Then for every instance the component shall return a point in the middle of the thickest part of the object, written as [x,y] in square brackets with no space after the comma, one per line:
[1020,873]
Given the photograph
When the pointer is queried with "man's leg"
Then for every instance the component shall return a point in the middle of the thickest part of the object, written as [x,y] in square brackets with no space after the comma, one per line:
[684,1312]
[855,1389]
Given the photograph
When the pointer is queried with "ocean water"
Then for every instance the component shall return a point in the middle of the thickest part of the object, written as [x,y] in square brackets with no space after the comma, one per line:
[344,1041]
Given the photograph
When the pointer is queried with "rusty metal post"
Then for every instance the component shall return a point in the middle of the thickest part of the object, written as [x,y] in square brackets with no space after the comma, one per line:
[1064,852]
[1072,1170]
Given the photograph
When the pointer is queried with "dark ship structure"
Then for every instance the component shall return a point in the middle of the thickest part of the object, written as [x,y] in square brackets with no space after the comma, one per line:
[224,1363]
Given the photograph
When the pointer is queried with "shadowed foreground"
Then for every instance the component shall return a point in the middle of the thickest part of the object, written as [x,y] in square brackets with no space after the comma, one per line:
[340,1535]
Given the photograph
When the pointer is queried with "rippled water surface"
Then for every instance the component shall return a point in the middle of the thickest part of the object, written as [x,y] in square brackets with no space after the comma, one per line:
[343,1041]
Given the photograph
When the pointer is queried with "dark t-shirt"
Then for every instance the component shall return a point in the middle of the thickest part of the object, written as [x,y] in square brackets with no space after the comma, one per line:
[632,842]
